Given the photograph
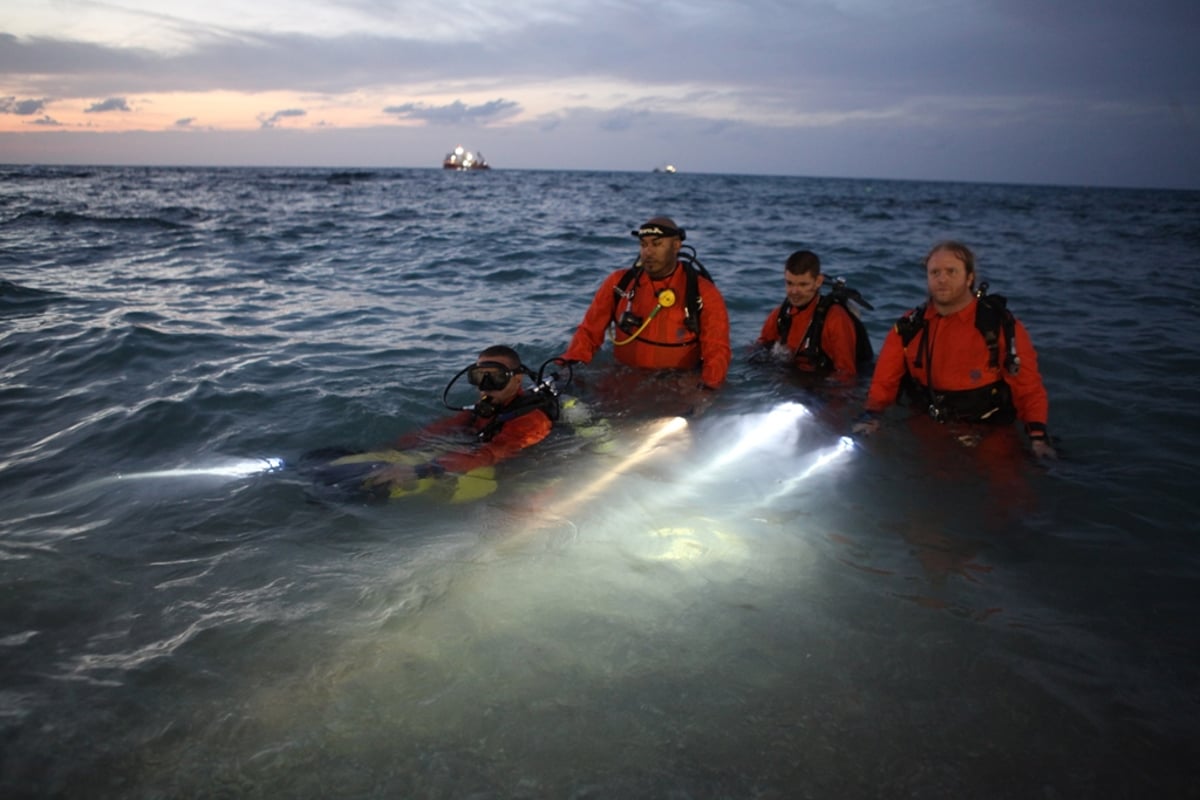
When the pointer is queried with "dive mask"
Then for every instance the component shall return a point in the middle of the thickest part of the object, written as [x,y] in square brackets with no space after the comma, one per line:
[489,376]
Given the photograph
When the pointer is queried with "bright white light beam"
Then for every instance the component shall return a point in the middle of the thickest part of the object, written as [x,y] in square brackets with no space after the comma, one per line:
[780,420]
[240,468]
[662,430]
[824,459]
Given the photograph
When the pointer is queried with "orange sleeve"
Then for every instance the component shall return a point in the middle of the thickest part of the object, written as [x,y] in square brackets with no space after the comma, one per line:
[516,434]
[1029,393]
[770,330]
[589,336]
[889,372]
[715,350]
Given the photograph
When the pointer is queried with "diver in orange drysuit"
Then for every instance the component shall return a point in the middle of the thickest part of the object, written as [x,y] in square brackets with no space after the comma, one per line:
[838,337]
[657,323]
[939,355]
[506,420]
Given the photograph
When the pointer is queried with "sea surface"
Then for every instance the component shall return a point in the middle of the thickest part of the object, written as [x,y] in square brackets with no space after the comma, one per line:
[750,606]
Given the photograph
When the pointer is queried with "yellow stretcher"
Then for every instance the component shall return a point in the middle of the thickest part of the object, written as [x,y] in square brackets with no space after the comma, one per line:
[451,488]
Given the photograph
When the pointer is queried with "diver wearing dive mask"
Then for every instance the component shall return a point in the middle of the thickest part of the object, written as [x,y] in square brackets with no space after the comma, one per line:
[495,380]
[504,421]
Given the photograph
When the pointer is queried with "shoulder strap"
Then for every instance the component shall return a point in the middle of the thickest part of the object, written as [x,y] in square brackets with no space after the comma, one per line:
[811,345]
[911,324]
[531,402]
[628,279]
[783,321]
[621,289]
[842,294]
[693,303]
[991,317]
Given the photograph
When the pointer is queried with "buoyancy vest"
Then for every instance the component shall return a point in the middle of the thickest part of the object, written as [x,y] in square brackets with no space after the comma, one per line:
[526,403]
[810,346]
[692,304]
[992,403]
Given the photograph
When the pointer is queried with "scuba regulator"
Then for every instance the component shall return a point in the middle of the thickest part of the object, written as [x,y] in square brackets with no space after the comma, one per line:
[633,325]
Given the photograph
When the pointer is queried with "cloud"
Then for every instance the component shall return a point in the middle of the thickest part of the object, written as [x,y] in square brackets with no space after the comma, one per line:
[456,113]
[622,120]
[47,121]
[278,116]
[22,108]
[817,54]
[111,104]
[885,78]
[185,122]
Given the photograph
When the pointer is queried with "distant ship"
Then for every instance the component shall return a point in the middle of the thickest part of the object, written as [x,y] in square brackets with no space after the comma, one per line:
[464,160]
[669,169]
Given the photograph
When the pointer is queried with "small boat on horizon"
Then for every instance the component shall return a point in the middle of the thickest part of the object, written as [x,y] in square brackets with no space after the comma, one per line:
[669,169]
[462,159]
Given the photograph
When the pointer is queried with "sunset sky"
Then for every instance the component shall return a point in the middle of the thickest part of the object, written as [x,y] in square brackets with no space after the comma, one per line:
[1105,92]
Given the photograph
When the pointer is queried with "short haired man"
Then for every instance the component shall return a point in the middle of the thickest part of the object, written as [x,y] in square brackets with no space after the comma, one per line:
[504,421]
[664,311]
[819,334]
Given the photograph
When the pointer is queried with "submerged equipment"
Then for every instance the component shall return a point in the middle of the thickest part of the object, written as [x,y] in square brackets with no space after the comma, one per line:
[340,474]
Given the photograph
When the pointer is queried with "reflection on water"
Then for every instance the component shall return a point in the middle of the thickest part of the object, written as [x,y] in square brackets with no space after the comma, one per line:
[547,638]
[747,607]
[726,603]
[664,608]
[722,605]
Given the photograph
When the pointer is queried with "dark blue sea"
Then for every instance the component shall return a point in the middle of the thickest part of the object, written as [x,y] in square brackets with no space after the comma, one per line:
[751,607]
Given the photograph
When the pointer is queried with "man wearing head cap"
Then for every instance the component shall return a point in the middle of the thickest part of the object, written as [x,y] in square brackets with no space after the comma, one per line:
[665,312]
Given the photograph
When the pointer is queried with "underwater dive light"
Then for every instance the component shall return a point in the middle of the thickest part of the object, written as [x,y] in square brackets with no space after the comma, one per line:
[824,459]
[239,468]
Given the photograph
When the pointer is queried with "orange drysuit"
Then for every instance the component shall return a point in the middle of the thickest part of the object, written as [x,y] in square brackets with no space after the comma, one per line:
[955,360]
[515,434]
[665,343]
[838,336]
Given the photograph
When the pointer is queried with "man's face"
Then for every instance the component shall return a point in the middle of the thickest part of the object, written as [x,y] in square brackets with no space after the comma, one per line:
[659,253]
[801,289]
[948,279]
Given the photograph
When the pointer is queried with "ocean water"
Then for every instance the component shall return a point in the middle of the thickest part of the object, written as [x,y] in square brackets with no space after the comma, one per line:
[746,608]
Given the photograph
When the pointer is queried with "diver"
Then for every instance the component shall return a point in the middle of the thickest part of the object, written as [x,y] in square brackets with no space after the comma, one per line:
[665,312]
[505,420]
[820,334]
[961,357]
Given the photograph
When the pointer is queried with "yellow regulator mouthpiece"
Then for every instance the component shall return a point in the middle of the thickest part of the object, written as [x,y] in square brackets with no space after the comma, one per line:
[666,298]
